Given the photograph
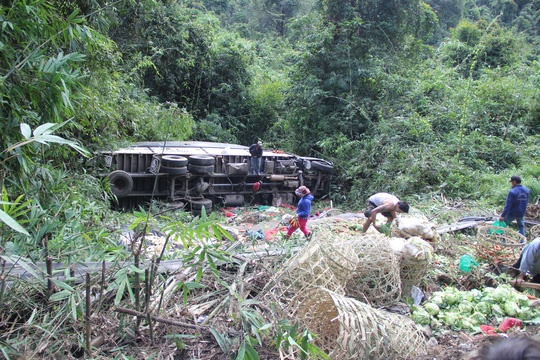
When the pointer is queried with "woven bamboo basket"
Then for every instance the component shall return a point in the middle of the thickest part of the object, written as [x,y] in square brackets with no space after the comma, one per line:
[412,272]
[350,329]
[376,278]
[535,231]
[320,262]
[498,244]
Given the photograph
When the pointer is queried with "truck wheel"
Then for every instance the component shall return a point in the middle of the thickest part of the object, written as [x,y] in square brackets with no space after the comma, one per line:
[197,205]
[323,167]
[121,183]
[174,170]
[201,160]
[174,161]
[201,169]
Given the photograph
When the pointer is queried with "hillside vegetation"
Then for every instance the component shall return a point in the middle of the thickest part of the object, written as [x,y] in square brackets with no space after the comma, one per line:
[434,99]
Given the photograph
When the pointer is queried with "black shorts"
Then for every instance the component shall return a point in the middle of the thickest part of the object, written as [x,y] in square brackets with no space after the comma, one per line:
[369,208]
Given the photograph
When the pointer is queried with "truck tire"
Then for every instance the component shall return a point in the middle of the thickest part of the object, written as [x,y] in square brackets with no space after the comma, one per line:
[174,170]
[323,167]
[201,169]
[121,183]
[198,205]
[201,160]
[174,161]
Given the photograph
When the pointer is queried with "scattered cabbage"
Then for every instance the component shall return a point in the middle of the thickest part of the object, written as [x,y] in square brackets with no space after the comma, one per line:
[432,308]
[451,297]
[478,319]
[502,293]
[524,313]
[421,316]
[451,318]
[465,307]
[438,300]
[522,300]
[467,310]
[510,308]
[497,311]
[483,307]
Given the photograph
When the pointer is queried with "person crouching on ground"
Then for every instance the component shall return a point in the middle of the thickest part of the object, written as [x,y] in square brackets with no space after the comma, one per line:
[303,210]
[386,204]
[528,264]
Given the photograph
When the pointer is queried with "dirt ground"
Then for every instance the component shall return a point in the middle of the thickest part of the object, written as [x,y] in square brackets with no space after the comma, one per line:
[446,344]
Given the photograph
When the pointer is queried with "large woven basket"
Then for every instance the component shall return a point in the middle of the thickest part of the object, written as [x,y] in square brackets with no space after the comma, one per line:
[498,244]
[320,262]
[350,329]
[376,278]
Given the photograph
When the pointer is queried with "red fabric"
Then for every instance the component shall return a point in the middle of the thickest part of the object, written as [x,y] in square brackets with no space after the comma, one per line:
[227,213]
[302,227]
[509,323]
[269,234]
[488,330]
[256,186]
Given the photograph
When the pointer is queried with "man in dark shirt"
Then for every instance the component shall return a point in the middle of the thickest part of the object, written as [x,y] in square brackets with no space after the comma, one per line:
[516,204]
[256,152]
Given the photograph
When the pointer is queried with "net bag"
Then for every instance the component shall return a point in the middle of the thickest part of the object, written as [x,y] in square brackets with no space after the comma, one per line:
[407,227]
[416,256]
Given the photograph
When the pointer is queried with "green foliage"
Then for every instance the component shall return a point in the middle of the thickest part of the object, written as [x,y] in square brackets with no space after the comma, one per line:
[289,336]
[40,66]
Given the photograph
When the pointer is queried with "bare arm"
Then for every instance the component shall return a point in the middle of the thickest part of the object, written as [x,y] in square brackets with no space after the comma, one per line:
[384,207]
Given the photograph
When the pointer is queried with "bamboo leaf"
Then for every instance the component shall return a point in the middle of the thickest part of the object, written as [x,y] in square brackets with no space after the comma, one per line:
[63,285]
[64,294]
[222,342]
[119,293]
[28,268]
[44,129]
[26,131]
[12,223]
[241,352]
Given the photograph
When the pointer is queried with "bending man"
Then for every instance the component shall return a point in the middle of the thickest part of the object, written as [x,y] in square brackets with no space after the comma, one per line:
[387,205]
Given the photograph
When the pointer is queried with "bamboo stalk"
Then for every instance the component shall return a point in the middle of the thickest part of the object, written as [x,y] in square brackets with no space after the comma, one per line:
[2,283]
[88,313]
[146,290]
[151,326]
[49,266]
[103,268]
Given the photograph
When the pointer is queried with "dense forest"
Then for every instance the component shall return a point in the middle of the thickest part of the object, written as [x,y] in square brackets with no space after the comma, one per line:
[411,97]
[419,98]
[406,96]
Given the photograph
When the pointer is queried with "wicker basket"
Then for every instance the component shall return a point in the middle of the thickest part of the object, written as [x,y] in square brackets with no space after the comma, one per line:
[350,329]
[498,244]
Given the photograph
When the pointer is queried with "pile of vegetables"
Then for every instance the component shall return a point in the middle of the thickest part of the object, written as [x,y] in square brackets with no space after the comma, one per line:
[467,310]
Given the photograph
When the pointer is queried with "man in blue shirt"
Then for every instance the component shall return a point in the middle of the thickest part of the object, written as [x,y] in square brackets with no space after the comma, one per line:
[516,204]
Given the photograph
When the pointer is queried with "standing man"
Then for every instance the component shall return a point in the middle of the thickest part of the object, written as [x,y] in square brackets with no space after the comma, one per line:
[516,204]
[386,204]
[256,152]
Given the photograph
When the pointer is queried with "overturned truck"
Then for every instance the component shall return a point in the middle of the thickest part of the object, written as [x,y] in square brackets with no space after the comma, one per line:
[200,174]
